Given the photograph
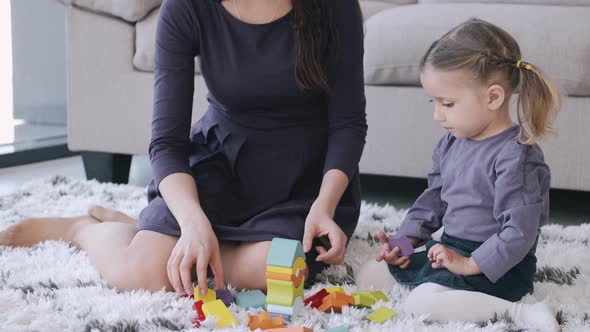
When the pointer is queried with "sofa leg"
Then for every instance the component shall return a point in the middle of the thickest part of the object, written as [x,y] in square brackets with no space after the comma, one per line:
[107,167]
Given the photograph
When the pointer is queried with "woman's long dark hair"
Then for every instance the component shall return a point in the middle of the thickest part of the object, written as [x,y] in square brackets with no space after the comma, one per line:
[312,26]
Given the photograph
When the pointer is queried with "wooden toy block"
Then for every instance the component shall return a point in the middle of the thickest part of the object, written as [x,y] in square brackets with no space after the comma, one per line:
[284,252]
[337,329]
[264,321]
[218,309]
[198,306]
[209,297]
[403,243]
[335,289]
[382,314]
[296,280]
[286,318]
[251,299]
[379,295]
[293,310]
[336,301]
[225,296]
[297,267]
[282,292]
[363,300]
[292,329]
[315,301]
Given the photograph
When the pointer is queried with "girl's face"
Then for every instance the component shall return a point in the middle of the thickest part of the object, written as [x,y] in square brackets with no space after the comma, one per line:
[461,102]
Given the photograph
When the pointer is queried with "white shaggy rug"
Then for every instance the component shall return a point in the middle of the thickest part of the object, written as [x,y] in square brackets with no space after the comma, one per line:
[53,287]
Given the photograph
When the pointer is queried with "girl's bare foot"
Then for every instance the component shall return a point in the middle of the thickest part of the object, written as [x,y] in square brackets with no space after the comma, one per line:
[31,231]
[103,214]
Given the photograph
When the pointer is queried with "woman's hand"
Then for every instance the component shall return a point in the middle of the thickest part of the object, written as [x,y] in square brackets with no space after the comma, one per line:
[320,223]
[197,246]
[443,257]
[389,255]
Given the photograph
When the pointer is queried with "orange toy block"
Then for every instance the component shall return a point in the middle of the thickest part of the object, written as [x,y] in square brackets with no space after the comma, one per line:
[264,321]
[296,279]
[336,301]
[292,329]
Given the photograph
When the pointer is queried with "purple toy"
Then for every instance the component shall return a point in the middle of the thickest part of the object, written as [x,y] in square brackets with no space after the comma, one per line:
[403,243]
[225,296]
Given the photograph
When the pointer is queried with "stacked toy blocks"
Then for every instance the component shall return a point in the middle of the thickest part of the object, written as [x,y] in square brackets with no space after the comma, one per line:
[285,277]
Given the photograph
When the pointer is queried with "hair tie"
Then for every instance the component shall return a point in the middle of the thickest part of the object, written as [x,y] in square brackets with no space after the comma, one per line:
[523,65]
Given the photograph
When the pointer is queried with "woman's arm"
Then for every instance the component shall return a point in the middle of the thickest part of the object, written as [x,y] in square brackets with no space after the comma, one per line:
[177,44]
[347,129]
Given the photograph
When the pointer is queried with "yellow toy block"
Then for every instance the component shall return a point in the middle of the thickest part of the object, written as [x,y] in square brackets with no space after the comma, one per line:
[209,297]
[336,289]
[382,314]
[218,309]
[362,299]
[283,292]
[298,267]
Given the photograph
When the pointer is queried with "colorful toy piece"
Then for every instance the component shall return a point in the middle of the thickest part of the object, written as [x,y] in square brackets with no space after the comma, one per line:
[403,243]
[225,296]
[285,310]
[283,292]
[265,321]
[285,277]
[251,299]
[315,301]
[378,295]
[284,252]
[382,314]
[338,329]
[336,301]
[336,289]
[292,329]
[209,297]
[218,309]
[198,306]
[363,299]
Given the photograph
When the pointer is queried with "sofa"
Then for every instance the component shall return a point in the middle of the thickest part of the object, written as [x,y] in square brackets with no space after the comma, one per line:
[110,50]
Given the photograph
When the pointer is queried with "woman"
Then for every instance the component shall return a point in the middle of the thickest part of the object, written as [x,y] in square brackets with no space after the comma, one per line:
[276,154]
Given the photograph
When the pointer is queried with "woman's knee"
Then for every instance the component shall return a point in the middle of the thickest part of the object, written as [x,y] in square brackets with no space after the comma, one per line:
[245,265]
[136,275]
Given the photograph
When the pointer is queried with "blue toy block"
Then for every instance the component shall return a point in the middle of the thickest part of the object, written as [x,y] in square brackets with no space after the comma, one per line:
[251,299]
[338,329]
[284,252]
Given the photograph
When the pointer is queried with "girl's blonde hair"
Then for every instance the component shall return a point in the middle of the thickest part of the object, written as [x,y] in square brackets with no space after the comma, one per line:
[485,49]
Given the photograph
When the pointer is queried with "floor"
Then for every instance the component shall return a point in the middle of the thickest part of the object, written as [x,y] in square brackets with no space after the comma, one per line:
[567,207]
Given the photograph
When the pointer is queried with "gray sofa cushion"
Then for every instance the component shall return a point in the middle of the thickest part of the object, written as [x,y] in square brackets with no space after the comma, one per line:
[145,43]
[523,2]
[129,10]
[553,38]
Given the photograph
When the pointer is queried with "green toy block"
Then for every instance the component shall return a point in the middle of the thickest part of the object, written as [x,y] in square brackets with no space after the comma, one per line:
[251,299]
[378,295]
[218,309]
[338,329]
[382,314]
[363,299]
[283,292]
[284,252]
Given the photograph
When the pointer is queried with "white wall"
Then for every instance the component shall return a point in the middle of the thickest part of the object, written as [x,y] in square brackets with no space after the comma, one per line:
[39,61]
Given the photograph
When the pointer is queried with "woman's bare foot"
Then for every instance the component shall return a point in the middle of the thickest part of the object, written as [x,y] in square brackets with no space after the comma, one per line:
[102,214]
[31,231]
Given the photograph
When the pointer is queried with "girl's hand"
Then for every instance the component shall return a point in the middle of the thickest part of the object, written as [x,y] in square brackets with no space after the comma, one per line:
[389,255]
[443,257]
[197,246]
[320,223]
